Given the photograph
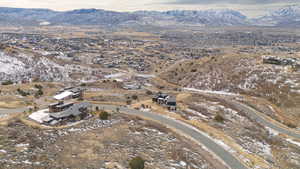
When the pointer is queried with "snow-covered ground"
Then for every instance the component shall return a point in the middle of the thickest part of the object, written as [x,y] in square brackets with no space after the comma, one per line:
[39,116]
[196,113]
[210,92]
[116,75]
[10,65]
[293,142]
[22,66]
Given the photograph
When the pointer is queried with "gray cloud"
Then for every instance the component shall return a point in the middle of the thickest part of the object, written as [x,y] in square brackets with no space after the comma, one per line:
[240,2]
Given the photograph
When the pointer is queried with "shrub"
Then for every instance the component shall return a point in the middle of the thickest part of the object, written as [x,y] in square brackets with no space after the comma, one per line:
[38,86]
[194,70]
[148,92]
[161,87]
[128,102]
[8,82]
[39,93]
[219,118]
[104,115]
[22,93]
[135,97]
[137,163]
[291,125]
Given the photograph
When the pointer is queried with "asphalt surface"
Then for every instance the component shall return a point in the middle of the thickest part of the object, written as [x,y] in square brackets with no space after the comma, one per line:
[12,111]
[210,144]
[254,115]
[218,150]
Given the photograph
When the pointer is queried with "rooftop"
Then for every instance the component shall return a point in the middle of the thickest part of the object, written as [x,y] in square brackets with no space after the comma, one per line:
[73,110]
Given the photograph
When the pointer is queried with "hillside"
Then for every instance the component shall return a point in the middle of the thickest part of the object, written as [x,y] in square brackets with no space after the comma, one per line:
[246,75]
[288,16]
[18,16]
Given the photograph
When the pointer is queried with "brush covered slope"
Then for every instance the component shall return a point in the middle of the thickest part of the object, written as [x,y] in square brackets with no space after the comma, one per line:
[248,75]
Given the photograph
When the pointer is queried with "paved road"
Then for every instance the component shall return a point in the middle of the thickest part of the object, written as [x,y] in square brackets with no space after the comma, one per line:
[209,143]
[5,112]
[255,115]
[252,113]
[227,157]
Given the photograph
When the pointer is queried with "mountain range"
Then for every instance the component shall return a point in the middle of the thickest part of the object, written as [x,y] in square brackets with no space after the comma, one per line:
[287,16]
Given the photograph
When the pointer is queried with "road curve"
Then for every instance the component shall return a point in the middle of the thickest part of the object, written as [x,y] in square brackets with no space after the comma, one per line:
[12,111]
[218,150]
[250,112]
[254,115]
[210,144]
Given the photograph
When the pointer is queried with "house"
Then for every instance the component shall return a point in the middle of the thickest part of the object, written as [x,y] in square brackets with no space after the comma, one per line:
[69,93]
[160,98]
[53,107]
[77,92]
[60,113]
[60,106]
[171,103]
[166,100]
[66,95]
[74,113]
[281,61]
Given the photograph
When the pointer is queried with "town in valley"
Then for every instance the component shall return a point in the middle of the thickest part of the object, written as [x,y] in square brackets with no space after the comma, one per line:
[97,89]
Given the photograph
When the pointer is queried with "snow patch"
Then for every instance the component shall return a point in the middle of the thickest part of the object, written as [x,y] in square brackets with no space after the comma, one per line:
[293,142]
[39,116]
[196,113]
[210,92]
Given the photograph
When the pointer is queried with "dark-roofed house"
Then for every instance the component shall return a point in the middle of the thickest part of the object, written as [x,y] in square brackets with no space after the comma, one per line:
[171,100]
[164,99]
[171,103]
[160,98]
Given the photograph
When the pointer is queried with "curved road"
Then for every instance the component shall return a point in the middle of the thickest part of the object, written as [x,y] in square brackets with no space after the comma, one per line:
[250,112]
[209,143]
[254,115]
[5,112]
[218,150]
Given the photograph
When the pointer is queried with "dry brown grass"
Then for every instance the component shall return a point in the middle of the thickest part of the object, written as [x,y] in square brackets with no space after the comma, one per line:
[254,160]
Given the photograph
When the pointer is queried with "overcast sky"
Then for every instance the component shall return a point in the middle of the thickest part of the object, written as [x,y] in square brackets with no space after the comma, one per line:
[251,8]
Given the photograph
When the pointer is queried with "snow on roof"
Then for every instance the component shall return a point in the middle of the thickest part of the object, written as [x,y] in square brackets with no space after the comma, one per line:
[63,95]
[40,116]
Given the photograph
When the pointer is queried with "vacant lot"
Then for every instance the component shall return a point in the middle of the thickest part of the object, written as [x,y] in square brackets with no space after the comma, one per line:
[99,144]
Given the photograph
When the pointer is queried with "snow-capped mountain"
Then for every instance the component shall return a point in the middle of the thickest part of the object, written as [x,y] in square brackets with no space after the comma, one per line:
[286,16]
[207,17]
[289,11]
[17,16]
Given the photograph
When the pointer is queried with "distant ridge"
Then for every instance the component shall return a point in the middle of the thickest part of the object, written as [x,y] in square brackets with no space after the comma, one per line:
[287,16]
